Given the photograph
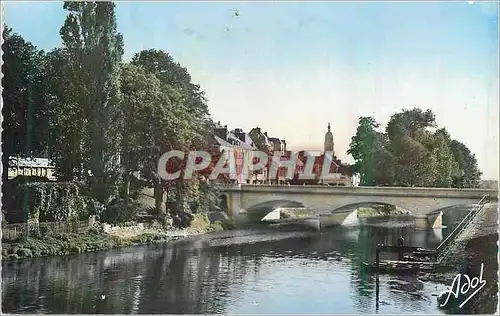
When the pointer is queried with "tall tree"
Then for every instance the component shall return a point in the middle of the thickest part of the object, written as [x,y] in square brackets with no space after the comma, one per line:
[409,122]
[362,148]
[94,49]
[25,111]
[189,99]
[383,161]
[467,173]
[154,123]
[409,142]
[66,147]
[172,74]
[470,175]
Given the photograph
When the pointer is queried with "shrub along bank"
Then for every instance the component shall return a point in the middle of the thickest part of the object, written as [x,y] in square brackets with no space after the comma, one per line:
[95,239]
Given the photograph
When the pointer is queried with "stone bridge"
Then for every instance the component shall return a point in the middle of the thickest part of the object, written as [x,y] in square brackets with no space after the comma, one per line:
[425,204]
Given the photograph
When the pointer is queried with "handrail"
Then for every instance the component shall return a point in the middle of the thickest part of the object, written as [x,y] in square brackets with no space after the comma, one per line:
[461,226]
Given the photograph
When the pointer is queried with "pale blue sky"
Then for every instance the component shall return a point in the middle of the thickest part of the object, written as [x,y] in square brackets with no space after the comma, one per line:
[291,68]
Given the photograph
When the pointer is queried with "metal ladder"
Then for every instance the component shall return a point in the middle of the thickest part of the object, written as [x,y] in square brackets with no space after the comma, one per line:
[444,246]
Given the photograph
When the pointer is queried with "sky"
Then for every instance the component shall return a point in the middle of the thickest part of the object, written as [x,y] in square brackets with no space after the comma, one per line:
[293,67]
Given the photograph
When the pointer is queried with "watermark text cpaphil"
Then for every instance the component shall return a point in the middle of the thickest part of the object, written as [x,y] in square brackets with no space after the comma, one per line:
[176,164]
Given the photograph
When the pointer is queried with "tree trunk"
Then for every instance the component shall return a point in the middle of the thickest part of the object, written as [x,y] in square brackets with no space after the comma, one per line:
[158,194]
[126,185]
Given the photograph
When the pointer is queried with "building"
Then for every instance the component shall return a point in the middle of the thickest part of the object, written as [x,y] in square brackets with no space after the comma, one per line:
[261,140]
[39,167]
[241,145]
[340,171]
[277,144]
[329,144]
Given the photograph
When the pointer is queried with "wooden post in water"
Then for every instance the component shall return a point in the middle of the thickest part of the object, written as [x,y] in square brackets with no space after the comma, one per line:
[377,260]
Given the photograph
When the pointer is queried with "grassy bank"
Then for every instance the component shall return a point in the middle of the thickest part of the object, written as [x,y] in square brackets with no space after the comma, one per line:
[66,244]
[95,239]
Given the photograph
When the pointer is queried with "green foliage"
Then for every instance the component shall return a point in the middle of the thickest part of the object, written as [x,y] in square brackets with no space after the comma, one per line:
[469,175]
[96,109]
[409,154]
[121,211]
[94,207]
[188,98]
[24,93]
[89,118]
[191,197]
[217,226]
[153,123]
[46,202]
[363,146]
[65,244]
[183,122]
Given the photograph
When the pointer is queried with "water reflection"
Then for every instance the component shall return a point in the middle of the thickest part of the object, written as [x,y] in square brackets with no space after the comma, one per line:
[246,271]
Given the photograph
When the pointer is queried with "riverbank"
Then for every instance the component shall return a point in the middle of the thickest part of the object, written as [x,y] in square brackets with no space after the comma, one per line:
[475,247]
[104,237]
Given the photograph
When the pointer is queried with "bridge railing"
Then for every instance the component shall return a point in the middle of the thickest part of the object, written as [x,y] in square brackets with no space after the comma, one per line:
[443,247]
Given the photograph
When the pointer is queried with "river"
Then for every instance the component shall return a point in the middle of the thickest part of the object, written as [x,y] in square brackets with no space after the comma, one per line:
[251,271]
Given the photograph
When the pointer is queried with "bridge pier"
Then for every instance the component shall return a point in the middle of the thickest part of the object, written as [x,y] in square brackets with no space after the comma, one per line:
[429,221]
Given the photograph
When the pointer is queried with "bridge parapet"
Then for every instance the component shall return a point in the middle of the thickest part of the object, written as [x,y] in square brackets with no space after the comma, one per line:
[423,203]
[370,191]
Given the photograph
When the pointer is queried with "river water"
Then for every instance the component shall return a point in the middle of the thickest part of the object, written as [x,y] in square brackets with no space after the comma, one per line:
[255,270]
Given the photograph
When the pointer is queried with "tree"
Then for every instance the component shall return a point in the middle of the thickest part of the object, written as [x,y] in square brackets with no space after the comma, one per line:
[467,173]
[410,143]
[93,49]
[409,154]
[196,134]
[154,124]
[409,122]
[175,76]
[383,161]
[25,110]
[362,148]
[66,147]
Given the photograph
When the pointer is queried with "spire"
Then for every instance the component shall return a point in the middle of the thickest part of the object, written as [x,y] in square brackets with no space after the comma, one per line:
[328,126]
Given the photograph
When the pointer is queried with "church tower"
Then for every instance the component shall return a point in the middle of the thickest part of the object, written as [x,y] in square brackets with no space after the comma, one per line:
[329,146]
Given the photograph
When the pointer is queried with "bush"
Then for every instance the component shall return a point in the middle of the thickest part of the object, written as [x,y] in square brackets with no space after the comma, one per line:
[45,231]
[120,211]
[24,253]
[217,226]
[182,220]
[45,202]
[94,207]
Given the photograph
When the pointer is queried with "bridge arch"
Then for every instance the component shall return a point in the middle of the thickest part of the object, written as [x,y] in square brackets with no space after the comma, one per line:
[273,204]
[357,205]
